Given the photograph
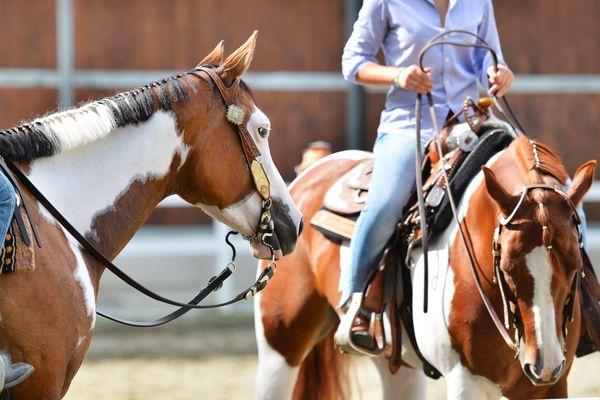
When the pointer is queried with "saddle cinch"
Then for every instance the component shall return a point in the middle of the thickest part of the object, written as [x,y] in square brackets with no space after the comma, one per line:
[466,148]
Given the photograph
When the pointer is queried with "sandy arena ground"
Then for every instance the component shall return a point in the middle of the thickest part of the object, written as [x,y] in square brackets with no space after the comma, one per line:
[232,377]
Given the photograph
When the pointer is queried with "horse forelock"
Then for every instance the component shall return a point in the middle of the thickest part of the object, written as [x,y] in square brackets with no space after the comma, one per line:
[61,131]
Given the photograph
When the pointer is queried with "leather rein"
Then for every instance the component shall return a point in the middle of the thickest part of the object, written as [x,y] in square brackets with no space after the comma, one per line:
[509,115]
[264,233]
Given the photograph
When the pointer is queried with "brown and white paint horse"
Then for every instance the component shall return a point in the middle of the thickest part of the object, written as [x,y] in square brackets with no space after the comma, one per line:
[105,166]
[295,317]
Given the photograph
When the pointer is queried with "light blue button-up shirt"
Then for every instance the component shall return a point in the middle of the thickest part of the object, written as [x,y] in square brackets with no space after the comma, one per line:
[400,28]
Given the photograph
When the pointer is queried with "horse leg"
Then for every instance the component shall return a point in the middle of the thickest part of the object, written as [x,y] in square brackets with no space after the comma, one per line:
[284,341]
[275,378]
[407,383]
[462,384]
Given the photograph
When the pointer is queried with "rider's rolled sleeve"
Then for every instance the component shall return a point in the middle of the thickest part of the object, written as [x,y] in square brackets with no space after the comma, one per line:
[366,39]
[489,32]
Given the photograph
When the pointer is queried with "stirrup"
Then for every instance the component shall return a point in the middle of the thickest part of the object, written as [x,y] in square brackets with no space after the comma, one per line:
[343,334]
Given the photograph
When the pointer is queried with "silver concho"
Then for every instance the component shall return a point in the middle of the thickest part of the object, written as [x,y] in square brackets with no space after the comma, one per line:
[235,114]
[467,141]
[435,196]
[462,137]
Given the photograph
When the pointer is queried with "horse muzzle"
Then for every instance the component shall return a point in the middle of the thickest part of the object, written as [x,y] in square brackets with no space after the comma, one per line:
[540,375]
[281,238]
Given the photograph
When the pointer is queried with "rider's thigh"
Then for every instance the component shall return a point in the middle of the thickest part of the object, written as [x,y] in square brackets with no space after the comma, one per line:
[393,172]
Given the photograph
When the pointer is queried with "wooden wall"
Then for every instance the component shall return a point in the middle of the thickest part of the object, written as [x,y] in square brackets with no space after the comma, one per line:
[538,37]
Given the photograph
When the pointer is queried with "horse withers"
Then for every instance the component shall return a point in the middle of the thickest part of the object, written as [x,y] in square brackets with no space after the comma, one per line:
[539,262]
[105,166]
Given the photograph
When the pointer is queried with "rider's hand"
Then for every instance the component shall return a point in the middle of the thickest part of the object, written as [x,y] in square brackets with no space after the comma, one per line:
[414,79]
[500,80]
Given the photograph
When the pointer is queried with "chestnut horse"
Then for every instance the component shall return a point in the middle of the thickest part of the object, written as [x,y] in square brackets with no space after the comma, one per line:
[296,316]
[105,166]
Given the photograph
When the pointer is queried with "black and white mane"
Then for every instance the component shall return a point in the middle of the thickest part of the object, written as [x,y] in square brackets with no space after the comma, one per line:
[61,131]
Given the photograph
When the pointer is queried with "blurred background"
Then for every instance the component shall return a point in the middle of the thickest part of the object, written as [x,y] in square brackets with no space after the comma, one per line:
[58,53]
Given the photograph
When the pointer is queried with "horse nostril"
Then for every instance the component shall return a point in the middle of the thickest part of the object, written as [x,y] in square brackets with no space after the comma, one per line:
[301,227]
[529,370]
[559,370]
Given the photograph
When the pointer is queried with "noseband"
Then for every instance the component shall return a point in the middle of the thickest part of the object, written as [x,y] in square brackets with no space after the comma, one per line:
[510,311]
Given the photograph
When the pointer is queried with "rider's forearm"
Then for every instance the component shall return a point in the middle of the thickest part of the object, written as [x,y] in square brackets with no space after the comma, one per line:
[371,73]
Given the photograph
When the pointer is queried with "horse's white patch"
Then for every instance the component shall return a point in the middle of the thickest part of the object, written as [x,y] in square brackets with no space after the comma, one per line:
[431,329]
[275,378]
[352,155]
[406,383]
[543,309]
[236,215]
[82,276]
[81,340]
[87,181]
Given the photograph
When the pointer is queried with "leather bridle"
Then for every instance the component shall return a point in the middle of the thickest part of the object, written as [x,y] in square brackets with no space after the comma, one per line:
[264,232]
[510,311]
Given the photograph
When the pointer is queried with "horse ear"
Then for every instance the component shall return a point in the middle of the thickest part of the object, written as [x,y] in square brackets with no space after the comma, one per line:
[238,62]
[215,56]
[582,181]
[505,200]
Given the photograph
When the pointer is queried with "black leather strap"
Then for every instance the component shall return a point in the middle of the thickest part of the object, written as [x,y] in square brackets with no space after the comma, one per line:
[213,285]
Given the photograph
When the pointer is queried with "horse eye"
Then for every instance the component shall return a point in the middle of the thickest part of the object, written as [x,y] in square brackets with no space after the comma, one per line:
[263,131]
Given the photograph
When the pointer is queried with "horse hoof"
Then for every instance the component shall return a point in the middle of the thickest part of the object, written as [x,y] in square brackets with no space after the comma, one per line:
[16,373]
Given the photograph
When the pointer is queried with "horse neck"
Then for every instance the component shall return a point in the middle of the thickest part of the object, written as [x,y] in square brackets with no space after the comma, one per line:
[108,188]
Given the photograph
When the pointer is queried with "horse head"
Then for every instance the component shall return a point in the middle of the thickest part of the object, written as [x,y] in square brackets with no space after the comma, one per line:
[538,268]
[216,174]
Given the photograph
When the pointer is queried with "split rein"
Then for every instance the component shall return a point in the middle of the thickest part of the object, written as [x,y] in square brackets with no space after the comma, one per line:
[509,115]
[264,233]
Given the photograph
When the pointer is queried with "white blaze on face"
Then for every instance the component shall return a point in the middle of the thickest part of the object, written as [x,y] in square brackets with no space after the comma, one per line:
[544,313]
[279,189]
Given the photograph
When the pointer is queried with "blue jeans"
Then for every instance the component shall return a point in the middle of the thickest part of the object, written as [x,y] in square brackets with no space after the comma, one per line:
[391,185]
[8,202]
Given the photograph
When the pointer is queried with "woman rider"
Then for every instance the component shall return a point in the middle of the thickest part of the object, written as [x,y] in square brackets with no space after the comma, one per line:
[400,28]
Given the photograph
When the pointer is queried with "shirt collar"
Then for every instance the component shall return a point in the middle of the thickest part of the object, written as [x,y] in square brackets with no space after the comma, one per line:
[451,3]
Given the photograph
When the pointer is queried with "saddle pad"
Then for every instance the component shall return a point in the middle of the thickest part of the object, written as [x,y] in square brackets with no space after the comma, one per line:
[16,256]
[334,227]
[491,142]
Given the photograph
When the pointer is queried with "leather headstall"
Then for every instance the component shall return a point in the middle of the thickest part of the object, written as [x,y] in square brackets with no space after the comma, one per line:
[511,317]
[236,116]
